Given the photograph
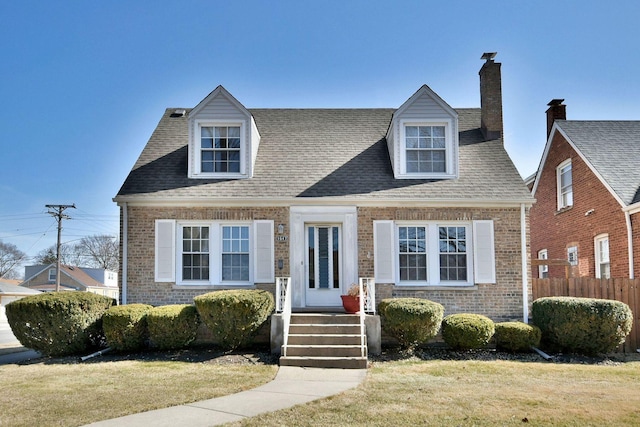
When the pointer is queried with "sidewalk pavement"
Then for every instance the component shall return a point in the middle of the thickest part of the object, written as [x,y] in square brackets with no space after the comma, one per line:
[292,386]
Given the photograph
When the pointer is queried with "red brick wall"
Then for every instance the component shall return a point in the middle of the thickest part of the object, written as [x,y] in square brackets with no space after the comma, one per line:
[556,230]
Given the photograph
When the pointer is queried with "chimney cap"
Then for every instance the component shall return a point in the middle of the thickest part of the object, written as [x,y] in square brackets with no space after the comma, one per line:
[555,101]
[489,55]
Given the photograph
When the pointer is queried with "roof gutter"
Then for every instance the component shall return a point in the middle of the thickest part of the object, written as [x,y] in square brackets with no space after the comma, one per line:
[322,201]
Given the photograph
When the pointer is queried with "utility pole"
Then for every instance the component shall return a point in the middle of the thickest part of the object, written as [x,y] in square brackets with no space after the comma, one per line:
[57,211]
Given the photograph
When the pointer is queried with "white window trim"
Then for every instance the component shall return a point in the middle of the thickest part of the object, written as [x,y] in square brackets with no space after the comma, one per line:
[543,268]
[52,270]
[596,245]
[215,253]
[572,249]
[196,171]
[450,144]
[561,166]
[433,254]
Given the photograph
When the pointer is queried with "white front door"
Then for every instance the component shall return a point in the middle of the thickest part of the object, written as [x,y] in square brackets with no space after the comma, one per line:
[323,265]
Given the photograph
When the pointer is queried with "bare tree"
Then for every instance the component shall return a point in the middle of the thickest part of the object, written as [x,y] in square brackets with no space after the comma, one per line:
[68,255]
[103,251]
[10,259]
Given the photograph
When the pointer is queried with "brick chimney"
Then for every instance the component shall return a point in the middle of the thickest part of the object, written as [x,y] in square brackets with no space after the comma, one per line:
[491,97]
[557,111]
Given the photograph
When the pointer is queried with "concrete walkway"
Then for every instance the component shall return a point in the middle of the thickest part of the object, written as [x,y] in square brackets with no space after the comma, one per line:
[292,386]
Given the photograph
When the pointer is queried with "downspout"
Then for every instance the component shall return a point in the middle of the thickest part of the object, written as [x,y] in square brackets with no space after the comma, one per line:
[627,217]
[125,241]
[525,274]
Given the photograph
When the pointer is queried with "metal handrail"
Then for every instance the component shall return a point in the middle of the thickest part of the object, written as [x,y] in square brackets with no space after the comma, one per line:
[283,305]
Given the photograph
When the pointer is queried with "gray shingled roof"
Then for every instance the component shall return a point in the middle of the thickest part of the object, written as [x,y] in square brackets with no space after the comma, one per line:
[315,153]
[613,149]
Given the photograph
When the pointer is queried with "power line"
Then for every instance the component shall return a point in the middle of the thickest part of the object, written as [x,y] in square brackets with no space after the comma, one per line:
[57,211]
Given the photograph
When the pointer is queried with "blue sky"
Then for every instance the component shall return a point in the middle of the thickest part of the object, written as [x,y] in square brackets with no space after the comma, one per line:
[83,84]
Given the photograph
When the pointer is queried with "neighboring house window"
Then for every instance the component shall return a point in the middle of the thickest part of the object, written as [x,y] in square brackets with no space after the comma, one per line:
[220,149]
[425,148]
[52,274]
[572,255]
[430,254]
[565,185]
[235,253]
[195,253]
[543,269]
[603,267]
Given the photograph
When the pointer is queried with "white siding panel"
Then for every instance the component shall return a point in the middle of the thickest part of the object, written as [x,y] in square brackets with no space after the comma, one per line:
[383,252]
[165,262]
[425,108]
[484,252]
[221,108]
[264,252]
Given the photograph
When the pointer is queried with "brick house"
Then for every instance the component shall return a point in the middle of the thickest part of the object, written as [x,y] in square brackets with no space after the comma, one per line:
[587,199]
[423,197]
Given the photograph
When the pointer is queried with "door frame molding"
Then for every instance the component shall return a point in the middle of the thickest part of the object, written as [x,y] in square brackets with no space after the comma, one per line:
[347,217]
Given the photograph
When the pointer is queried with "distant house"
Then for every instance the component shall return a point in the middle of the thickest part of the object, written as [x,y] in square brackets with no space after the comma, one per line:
[96,280]
[423,197]
[587,189]
[10,291]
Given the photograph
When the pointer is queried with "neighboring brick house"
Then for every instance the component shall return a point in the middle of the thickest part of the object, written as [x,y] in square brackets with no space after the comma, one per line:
[423,197]
[587,197]
[96,280]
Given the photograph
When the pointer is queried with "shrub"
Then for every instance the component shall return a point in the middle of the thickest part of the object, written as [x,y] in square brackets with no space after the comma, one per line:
[233,317]
[516,336]
[59,323]
[172,326]
[125,326]
[412,321]
[582,325]
[467,331]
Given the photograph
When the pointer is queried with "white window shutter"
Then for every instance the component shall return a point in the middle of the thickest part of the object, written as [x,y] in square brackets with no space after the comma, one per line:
[484,259]
[384,251]
[263,252]
[165,262]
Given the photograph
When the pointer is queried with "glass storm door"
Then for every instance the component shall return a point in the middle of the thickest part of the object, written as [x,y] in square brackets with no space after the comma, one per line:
[323,265]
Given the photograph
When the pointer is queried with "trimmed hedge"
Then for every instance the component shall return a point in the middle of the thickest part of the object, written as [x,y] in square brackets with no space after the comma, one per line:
[412,321]
[125,326]
[582,325]
[172,326]
[516,336]
[234,316]
[467,331]
[59,323]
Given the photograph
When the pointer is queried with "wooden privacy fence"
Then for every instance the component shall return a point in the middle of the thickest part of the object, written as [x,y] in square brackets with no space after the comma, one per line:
[625,290]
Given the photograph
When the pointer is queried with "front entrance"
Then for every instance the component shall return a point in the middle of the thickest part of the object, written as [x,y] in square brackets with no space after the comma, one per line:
[323,265]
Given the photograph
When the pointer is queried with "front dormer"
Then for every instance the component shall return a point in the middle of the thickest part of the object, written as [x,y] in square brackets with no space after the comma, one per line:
[223,138]
[423,138]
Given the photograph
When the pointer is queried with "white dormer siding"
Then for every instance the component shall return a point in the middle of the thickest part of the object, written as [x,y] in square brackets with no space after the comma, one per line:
[423,138]
[222,112]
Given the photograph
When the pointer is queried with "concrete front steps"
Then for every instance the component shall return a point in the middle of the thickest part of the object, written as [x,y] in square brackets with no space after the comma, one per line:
[324,341]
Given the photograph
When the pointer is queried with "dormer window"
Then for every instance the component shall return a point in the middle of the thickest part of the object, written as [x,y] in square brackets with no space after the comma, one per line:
[423,138]
[223,138]
[426,148]
[220,149]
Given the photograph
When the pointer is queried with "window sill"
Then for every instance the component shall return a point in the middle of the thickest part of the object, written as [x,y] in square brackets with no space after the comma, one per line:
[562,210]
[461,287]
[211,287]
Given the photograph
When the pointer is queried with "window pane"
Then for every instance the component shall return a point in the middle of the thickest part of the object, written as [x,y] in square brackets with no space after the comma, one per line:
[453,256]
[412,253]
[234,132]
[411,130]
[235,253]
